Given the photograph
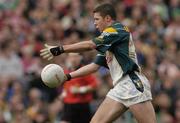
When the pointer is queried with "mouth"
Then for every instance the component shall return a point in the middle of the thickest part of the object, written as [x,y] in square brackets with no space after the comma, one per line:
[97,27]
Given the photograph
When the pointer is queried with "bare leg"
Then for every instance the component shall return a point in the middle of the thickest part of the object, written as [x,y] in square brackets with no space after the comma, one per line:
[143,112]
[108,111]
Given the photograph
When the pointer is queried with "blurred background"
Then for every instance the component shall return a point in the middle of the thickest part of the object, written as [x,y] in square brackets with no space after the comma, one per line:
[25,25]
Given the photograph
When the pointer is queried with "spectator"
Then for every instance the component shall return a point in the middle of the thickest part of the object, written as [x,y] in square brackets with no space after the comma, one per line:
[77,94]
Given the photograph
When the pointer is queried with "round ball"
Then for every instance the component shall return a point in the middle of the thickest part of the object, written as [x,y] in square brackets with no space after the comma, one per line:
[52,75]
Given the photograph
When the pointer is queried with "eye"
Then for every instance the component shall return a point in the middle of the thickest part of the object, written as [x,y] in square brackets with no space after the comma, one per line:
[96,19]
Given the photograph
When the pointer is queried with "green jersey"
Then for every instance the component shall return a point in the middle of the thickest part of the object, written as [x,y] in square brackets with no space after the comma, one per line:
[116,51]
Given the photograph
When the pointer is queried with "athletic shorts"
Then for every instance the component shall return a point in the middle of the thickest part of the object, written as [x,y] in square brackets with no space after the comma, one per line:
[76,113]
[131,89]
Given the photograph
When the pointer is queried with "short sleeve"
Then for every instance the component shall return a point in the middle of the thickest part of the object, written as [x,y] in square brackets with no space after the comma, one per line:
[100,60]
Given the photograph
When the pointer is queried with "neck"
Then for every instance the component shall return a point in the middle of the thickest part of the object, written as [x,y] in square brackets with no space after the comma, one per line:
[110,23]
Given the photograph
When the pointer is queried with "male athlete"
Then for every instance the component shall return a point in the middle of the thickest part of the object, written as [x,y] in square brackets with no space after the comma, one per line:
[116,52]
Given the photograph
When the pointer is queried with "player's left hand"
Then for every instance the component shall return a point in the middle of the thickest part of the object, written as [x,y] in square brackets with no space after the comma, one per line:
[50,51]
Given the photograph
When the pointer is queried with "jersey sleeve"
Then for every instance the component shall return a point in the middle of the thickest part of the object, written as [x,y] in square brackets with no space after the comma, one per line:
[100,60]
[109,37]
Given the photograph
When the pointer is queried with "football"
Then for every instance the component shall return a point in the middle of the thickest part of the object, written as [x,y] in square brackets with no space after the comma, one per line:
[52,75]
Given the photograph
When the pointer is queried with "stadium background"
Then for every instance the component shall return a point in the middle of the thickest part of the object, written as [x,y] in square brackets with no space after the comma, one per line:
[25,25]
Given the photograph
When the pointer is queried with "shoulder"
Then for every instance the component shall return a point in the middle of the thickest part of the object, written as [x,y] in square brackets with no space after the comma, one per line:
[109,31]
[115,28]
[120,27]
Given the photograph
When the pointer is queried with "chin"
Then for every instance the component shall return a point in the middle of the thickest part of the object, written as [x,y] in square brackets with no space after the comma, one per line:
[99,29]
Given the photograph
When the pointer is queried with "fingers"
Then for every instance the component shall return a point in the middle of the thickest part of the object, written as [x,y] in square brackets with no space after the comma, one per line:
[44,50]
[46,45]
[50,58]
[47,56]
[65,77]
[45,53]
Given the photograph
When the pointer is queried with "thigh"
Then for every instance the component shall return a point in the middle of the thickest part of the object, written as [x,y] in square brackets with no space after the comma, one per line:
[143,112]
[108,111]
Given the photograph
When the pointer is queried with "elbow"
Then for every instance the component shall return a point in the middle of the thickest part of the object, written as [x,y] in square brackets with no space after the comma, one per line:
[95,67]
[90,48]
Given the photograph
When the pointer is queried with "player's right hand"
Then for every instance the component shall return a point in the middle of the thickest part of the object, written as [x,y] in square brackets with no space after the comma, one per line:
[50,51]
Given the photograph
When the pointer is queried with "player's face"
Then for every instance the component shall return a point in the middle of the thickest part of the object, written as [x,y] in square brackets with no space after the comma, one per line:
[99,22]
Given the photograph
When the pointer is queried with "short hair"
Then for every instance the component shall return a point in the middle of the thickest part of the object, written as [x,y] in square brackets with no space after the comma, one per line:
[106,9]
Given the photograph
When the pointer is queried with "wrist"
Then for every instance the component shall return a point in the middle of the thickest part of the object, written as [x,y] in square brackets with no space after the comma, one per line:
[57,50]
[61,48]
[68,76]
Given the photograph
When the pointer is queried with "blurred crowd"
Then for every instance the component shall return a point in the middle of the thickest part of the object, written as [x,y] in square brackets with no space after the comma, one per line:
[25,25]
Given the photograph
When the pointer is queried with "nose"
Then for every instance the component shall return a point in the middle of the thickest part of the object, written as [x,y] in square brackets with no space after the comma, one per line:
[95,23]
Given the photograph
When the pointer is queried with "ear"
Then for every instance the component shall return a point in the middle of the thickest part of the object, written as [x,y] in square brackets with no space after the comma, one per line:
[108,18]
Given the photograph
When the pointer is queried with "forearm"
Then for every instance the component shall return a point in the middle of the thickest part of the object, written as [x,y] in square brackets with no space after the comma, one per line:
[79,47]
[83,71]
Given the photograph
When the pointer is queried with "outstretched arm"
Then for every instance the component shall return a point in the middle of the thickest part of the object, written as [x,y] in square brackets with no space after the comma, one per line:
[79,47]
[50,51]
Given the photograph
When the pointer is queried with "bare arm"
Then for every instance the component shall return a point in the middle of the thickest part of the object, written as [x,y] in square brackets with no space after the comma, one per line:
[50,51]
[85,70]
[79,47]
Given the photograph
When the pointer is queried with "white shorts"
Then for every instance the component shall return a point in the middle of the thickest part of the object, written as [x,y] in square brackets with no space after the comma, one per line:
[126,93]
